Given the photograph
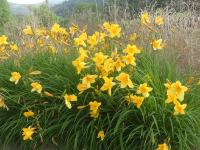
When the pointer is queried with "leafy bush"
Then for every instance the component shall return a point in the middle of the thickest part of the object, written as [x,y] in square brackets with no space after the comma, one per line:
[121,106]
[4,13]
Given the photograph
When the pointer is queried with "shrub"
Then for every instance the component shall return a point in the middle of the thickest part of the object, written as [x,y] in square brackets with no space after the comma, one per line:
[97,91]
[4,13]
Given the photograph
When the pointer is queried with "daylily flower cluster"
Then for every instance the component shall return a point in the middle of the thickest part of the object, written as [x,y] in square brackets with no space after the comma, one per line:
[175,95]
[5,45]
[94,109]
[144,90]
[103,68]
[146,21]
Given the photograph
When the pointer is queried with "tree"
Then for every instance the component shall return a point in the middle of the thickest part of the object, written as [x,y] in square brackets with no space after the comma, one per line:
[45,15]
[4,13]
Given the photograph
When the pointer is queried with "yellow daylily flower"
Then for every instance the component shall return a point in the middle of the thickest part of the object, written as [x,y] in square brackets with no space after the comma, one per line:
[119,64]
[179,90]
[92,40]
[158,44]
[171,99]
[3,40]
[29,113]
[124,80]
[159,20]
[83,54]
[137,100]
[94,108]
[27,133]
[89,79]
[101,135]
[94,105]
[94,114]
[179,108]
[106,25]
[82,87]
[115,30]
[129,60]
[145,18]
[36,87]
[14,47]
[109,65]
[41,31]
[176,89]
[15,77]
[2,49]
[80,41]
[83,36]
[133,37]
[100,36]
[99,58]
[144,90]
[55,28]
[79,64]
[28,31]
[163,146]
[131,49]
[69,99]
[73,29]
[108,85]
[40,42]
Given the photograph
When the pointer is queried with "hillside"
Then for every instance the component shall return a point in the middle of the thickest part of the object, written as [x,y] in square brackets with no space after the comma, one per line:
[68,7]
[22,9]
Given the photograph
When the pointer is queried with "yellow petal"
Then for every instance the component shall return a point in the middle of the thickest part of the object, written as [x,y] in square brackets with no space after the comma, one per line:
[68,104]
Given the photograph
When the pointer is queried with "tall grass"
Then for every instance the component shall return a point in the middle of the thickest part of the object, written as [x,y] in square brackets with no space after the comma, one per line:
[181,31]
[125,126]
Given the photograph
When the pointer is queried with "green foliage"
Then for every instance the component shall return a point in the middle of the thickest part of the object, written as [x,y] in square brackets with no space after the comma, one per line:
[126,127]
[79,8]
[4,13]
[45,15]
[71,7]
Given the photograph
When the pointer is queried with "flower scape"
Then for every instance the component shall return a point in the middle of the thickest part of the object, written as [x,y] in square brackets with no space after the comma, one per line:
[105,90]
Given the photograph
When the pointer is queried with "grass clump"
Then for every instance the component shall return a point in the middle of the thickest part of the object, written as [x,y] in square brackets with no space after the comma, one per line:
[101,91]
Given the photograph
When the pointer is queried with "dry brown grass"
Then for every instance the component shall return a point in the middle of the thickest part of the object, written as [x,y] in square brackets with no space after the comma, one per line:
[181,30]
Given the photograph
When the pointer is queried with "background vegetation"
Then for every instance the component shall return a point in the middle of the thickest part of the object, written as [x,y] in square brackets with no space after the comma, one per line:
[4,13]
[126,127]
